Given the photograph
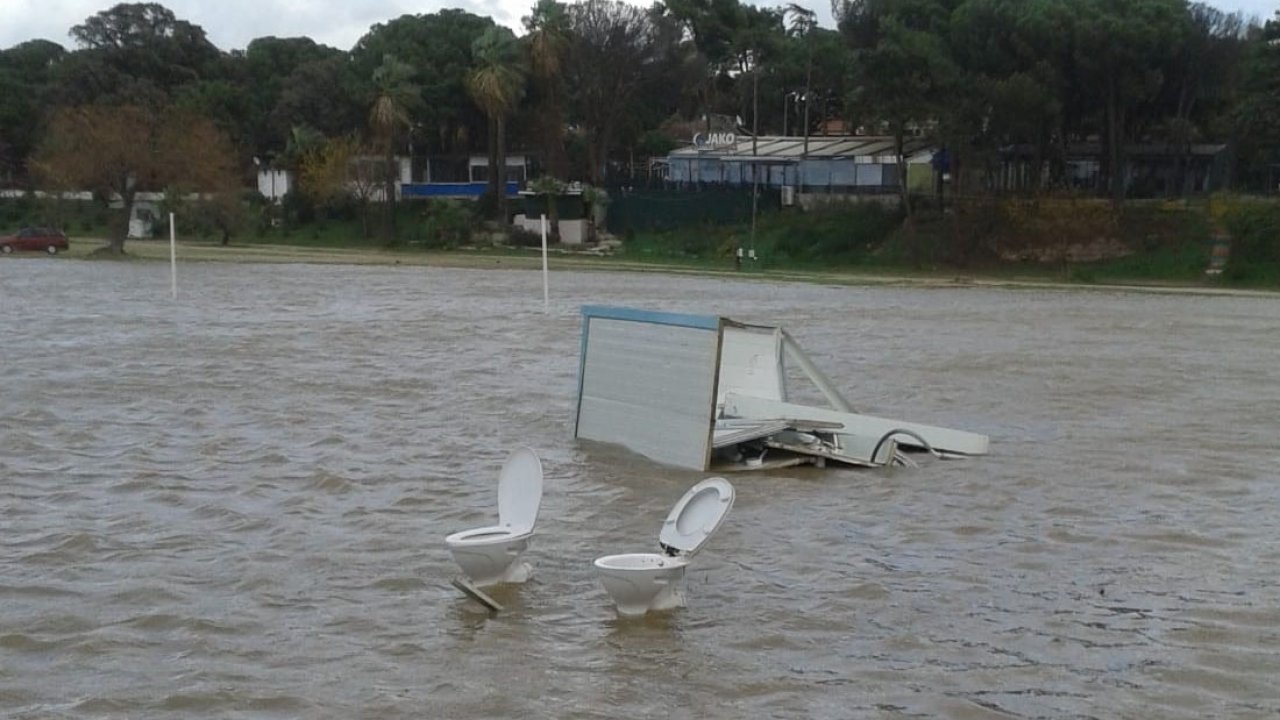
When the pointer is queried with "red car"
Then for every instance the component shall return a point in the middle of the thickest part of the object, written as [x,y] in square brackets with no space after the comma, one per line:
[46,239]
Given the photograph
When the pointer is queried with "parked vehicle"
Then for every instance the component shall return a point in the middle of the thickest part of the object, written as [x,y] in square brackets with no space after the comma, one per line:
[47,239]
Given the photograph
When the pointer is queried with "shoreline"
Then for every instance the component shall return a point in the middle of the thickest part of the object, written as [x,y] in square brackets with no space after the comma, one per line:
[521,259]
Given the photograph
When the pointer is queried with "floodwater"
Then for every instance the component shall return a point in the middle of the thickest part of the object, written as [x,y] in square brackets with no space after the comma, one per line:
[234,505]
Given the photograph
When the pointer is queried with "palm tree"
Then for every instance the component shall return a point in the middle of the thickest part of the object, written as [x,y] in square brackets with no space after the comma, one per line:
[496,85]
[395,96]
[548,43]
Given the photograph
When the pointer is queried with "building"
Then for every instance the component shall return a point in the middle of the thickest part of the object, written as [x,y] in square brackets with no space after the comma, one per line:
[851,165]
[461,176]
[1151,169]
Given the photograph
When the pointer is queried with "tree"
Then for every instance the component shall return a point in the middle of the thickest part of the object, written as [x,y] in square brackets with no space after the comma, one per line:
[441,47]
[395,96]
[614,48]
[265,72]
[904,71]
[1257,116]
[1121,46]
[342,168]
[145,41]
[712,24]
[118,151]
[496,84]
[1199,80]
[323,94]
[548,44]
[26,75]
[1013,58]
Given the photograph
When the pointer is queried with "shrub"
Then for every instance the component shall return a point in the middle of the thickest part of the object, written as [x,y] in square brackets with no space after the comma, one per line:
[838,231]
[447,223]
[1255,233]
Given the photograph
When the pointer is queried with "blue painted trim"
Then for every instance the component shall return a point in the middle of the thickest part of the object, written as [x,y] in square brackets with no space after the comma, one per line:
[701,322]
[457,189]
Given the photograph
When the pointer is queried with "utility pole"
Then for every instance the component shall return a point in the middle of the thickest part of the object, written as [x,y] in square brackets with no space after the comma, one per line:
[755,157]
[808,97]
[755,100]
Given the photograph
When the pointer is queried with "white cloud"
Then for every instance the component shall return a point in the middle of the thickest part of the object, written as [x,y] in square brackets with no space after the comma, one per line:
[232,24]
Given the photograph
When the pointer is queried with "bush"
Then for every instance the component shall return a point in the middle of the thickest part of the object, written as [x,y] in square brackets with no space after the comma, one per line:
[1255,243]
[447,224]
[840,231]
[523,238]
[1255,233]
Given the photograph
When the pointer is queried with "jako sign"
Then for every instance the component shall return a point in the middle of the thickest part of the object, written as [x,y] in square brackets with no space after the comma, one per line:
[716,139]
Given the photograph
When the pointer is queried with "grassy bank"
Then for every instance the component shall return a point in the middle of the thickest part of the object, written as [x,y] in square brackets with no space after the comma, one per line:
[997,241]
[1067,241]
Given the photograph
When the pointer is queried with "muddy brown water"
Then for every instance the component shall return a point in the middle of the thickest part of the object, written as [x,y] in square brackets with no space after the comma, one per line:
[234,505]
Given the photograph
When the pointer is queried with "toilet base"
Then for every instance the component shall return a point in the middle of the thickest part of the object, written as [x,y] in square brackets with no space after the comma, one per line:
[670,598]
[518,573]
[515,573]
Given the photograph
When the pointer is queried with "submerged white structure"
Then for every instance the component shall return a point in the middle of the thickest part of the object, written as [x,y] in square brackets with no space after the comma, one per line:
[705,392]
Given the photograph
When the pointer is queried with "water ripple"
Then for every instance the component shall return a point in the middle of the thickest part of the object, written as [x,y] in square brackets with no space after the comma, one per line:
[235,505]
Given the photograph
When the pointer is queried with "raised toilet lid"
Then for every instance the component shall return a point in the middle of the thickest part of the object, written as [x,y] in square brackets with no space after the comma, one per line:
[697,516]
[520,490]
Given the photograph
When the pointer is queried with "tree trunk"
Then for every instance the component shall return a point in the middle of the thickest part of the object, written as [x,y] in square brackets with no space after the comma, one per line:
[502,172]
[808,83]
[1115,169]
[1184,164]
[899,139]
[122,230]
[553,218]
[599,153]
[557,159]
[389,191]
[1042,151]
[755,107]
[593,160]
[493,161]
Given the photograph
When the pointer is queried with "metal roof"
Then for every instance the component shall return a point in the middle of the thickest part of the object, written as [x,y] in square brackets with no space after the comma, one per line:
[784,148]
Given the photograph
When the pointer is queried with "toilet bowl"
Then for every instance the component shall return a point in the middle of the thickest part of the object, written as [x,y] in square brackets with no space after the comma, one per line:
[642,582]
[491,555]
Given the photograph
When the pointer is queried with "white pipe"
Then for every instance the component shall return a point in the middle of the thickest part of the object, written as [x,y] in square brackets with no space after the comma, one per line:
[173,258]
[546,286]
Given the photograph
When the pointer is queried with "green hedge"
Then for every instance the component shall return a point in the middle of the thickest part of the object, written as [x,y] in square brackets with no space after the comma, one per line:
[1255,240]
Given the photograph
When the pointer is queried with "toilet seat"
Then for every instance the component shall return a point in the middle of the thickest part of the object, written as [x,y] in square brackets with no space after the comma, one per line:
[493,533]
[696,517]
[520,491]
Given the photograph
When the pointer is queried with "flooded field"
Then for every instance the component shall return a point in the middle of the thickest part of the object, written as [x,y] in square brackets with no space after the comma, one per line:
[235,505]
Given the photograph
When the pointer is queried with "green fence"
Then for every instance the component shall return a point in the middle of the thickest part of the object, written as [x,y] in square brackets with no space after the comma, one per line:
[659,210]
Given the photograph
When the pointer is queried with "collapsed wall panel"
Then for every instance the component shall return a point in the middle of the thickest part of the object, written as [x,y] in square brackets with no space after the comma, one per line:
[648,381]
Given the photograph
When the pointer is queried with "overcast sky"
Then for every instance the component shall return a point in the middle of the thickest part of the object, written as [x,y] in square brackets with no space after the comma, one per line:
[232,24]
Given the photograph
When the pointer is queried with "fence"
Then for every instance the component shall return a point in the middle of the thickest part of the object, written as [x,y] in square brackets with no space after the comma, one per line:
[659,210]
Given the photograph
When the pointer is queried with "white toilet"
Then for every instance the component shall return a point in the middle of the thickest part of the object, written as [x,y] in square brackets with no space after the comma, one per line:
[640,582]
[491,555]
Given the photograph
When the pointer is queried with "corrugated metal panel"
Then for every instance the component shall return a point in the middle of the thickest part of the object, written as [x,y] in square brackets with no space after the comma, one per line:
[649,387]
[860,146]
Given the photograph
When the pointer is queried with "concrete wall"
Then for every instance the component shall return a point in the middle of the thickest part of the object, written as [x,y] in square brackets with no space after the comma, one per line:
[572,232]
